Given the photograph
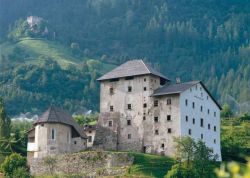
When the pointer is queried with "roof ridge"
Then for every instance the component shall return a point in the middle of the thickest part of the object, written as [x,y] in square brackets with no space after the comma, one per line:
[145,65]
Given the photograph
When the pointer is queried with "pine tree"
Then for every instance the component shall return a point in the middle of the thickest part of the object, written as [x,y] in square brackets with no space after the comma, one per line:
[4,121]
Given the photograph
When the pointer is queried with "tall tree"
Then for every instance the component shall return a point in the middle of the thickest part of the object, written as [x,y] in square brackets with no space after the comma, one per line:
[4,121]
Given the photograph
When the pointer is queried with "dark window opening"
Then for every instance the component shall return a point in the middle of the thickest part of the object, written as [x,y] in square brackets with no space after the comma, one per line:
[169,130]
[156,119]
[128,122]
[145,105]
[208,111]
[129,89]
[89,138]
[111,108]
[168,117]
[193,120]
[214,114]
[168,101]
[129,106]
[193,105]
[201,136]
[145,79]
[162,81]
[75,142]
[208,126]
[214,140]
[215,128]
[144,118]
[201,108]
[156,103]
[145,88]
[129,136]
[202,123]
[111,91]
[189,132]
[110,123]
[186,102]
[129,78]
[162,146]
[156,132]
[114,80]
[186,118]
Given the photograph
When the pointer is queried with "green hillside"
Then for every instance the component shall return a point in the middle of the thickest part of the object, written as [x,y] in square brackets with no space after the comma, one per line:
[190,39]
[37,73]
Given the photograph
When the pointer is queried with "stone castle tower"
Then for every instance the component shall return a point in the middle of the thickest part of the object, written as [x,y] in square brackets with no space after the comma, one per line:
[141,110]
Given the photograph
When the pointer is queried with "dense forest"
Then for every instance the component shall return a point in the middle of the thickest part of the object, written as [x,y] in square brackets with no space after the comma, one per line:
[191,39]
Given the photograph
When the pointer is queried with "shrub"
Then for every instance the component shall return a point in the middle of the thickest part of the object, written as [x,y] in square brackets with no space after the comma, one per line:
[11,163]
[21,172]
[177,171]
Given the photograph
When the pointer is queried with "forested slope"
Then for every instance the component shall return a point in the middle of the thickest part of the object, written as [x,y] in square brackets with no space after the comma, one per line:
[191,39]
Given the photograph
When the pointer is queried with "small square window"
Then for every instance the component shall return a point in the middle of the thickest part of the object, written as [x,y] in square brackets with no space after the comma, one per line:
[169,130]
[145,105]
[168,117]
[129,106]
[128,122]
[110,123]
[189,132]
[111,108]
[129,89]
[145,88]
[193,120]
[186,118]
[155,103]
[129,136]
[168,101]
[111,91]
[156,132]
[156,119]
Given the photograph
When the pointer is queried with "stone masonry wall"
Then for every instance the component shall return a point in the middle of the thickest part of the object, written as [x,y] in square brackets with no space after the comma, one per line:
[86,164]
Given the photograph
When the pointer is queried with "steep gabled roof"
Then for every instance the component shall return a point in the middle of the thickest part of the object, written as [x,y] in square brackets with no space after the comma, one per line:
[57,115]
[177,88]
[131,68]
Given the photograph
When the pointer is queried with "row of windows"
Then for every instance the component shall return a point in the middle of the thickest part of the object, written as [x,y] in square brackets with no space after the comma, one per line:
[201,107]
[156,132]
[190,133]
[111,90]
[201,123]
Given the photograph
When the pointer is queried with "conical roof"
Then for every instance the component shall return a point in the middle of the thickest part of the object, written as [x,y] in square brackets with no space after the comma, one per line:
[57,115]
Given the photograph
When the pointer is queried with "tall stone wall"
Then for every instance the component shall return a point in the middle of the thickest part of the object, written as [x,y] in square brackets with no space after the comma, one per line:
[93,163]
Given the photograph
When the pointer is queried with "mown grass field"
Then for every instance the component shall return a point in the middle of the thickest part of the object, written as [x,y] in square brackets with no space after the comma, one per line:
[37,48]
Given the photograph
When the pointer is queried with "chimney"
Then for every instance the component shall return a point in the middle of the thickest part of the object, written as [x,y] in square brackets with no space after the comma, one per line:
[178,80]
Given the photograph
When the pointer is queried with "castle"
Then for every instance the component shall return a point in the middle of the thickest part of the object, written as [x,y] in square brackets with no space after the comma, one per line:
[140,110]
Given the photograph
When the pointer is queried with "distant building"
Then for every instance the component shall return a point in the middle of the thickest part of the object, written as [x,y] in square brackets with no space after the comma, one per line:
[89,131]
[142,110]
[55,132]
[34,20]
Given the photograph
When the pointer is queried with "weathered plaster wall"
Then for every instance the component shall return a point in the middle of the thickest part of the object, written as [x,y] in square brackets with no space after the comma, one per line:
[93,164]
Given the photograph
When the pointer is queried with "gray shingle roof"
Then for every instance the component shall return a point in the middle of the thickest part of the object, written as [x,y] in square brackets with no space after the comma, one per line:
[131,68]
[174,88]
[177,88]
[57,115]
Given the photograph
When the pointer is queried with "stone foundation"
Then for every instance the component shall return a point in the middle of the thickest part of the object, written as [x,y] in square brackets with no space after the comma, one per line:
[93,163]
